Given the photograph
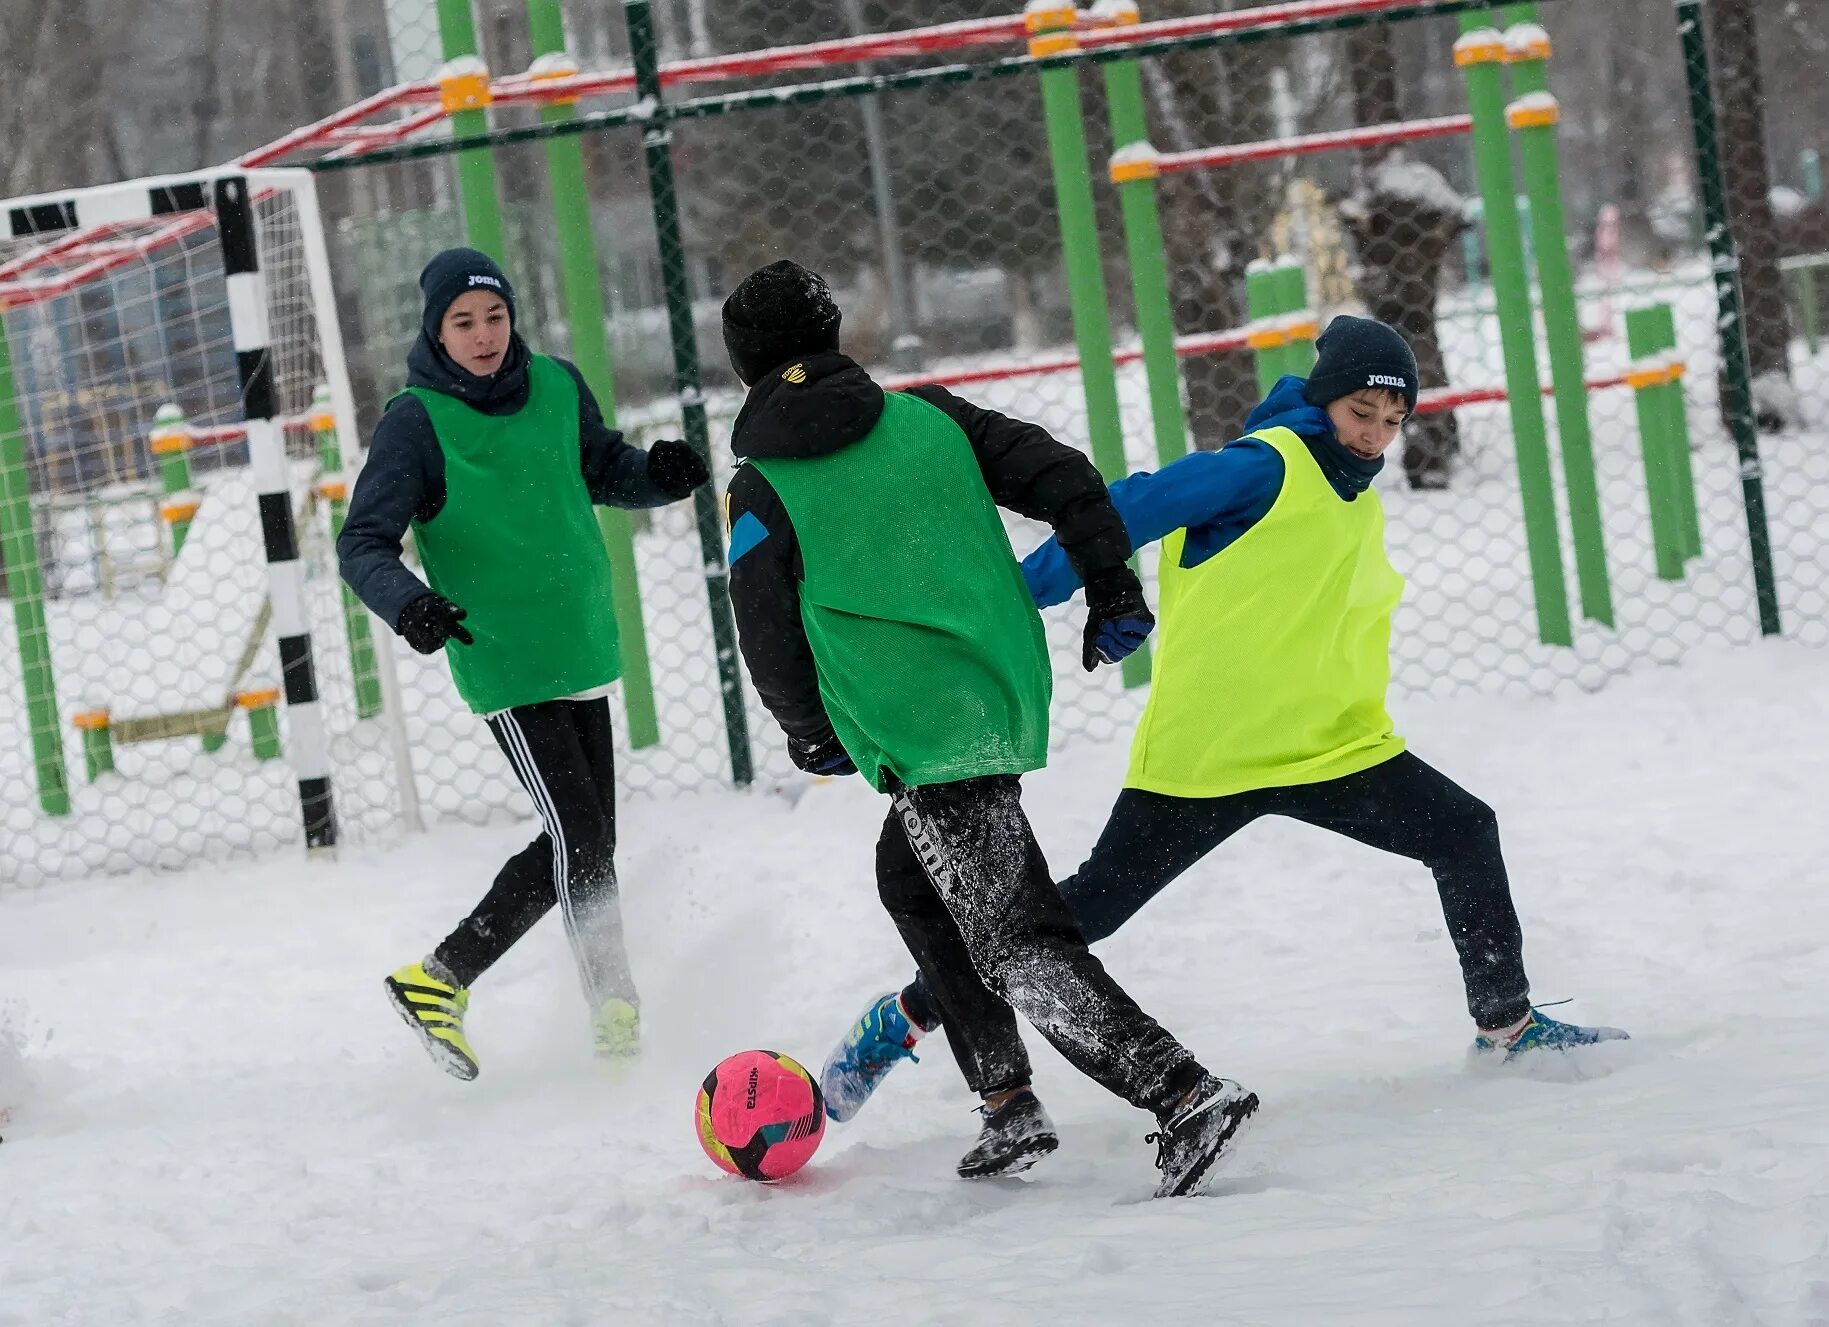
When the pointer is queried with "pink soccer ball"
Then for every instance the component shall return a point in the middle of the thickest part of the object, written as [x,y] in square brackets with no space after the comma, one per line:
[760,1115]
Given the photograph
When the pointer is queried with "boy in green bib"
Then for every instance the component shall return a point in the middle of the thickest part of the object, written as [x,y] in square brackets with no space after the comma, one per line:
[494,456]
[888,630]
[1268,697]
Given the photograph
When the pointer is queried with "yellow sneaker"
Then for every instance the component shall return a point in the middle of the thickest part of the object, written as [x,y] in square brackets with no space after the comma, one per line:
[618,1028]
[435,1010]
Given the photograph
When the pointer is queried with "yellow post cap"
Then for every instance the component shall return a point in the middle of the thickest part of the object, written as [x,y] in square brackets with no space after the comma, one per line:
[1049,16]
[1482,46]
[463,85]
[552,66]
[1533,111]
[1525,42]
[1138,161]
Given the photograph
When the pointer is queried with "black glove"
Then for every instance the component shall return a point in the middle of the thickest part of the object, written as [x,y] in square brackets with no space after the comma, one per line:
[676,468]
[431,620]
[1118,619]
[822,756]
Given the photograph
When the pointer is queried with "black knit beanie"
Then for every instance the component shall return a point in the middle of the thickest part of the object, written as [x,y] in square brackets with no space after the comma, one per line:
[779,312]
[1356,353]
[455,272]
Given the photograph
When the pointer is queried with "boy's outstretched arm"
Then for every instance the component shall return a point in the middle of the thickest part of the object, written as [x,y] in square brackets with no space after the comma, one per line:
[1238,484]
[765,575]
[1034,474]
[394,489]
[618,475]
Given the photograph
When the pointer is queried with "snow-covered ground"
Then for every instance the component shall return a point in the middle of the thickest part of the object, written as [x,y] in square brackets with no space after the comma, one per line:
[221,1122]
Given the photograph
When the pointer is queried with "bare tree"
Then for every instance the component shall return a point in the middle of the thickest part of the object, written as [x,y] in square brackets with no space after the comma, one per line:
[1740,99]
[1213,222]
[51,116]
[1404,220]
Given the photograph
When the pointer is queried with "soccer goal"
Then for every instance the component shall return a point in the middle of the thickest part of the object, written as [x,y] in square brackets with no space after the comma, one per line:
[181,672]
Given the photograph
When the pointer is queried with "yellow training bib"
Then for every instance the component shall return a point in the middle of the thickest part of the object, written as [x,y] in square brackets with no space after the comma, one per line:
[1273,656]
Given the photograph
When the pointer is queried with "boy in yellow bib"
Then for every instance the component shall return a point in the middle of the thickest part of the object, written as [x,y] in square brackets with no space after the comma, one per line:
[1268,697]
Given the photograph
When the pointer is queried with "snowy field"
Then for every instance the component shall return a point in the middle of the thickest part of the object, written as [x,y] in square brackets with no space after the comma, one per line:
[218,1120]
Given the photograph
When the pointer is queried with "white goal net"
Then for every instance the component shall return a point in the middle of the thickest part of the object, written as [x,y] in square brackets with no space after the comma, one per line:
[181,674]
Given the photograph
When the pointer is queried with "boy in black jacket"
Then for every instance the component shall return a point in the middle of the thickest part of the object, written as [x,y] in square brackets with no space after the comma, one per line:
[887,628]
[494,456]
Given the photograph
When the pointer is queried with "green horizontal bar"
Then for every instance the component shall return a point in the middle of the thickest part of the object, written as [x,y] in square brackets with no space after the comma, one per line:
[865,85]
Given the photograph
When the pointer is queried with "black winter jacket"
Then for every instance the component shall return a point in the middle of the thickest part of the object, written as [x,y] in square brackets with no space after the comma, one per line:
[403,479]
[1024,467]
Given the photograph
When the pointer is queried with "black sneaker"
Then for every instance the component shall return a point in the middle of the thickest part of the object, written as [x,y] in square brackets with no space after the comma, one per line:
[1015,1136]
[1195,1137]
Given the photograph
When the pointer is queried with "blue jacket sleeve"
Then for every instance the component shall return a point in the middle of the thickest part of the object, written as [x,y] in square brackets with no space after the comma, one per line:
[1234,486]
[615,473]
[396,487]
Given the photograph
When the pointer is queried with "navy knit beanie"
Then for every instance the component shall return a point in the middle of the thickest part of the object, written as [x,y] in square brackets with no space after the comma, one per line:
[779,312]
[455,272]
[1356,353]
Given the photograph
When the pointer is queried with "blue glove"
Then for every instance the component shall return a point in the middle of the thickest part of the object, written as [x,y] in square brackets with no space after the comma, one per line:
[1118,619]
[825,756]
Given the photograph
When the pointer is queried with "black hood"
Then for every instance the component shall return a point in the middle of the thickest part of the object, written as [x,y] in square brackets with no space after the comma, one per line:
[811,407]
[502,392]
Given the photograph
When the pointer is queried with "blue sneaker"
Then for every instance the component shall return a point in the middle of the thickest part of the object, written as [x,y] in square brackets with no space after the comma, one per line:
[884,1035]
[1540,1032]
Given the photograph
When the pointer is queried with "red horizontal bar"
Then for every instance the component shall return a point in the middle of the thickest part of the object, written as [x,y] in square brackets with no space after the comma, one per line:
[1410,131]
[394,131]
[521,88]
[937,39]
[1202,343]
[315,134]
[1264,16]
[1438,399]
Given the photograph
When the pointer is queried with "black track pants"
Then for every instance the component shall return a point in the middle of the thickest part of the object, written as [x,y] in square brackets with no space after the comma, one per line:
[960,872]
[1402,806]
[561,752]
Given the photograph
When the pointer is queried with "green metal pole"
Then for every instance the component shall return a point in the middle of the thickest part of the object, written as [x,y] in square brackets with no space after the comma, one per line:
[1265,333]
[1133,170]
[25,586]
[1648,377]
[1803,282]
[1730,317]
[170,441]
[362,666]
[591,353]
[1292,298]
[1812,163]
[475,168]
[1481,53]
[1533,117]
[1661,334]
[1066,131]
[263,730]
[657,147]
[98,747]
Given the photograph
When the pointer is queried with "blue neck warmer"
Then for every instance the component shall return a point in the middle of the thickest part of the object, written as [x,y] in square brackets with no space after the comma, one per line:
[1285,408]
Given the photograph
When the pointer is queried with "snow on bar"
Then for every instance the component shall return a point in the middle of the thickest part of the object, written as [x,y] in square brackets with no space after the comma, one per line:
[1203,343]
[1209,158]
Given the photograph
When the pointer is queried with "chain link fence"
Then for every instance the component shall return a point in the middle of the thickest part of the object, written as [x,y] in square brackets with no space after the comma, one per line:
[936,211]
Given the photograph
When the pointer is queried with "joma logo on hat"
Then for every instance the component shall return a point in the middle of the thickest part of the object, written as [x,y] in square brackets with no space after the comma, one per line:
[795,374]
[478,279]
[1384,380]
